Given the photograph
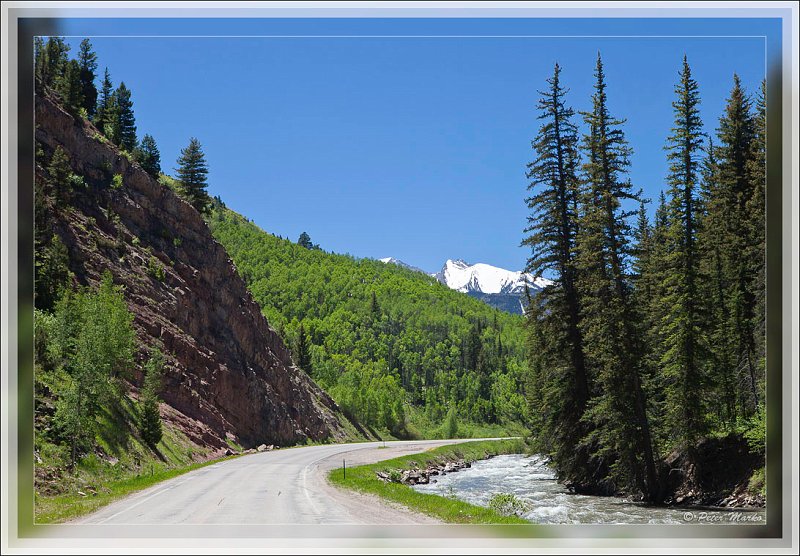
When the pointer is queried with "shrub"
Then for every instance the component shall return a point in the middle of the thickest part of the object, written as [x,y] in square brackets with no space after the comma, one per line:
[155,269]
[116,181]
[507,504]
[76,182]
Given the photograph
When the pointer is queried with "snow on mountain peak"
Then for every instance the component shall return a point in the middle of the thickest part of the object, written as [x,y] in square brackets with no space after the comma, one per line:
[485,278]
[398,262]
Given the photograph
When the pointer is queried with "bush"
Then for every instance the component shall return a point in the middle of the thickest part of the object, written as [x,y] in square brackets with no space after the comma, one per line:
[116,181]
[507,504]
[76,182]
[155,269]
[756,433]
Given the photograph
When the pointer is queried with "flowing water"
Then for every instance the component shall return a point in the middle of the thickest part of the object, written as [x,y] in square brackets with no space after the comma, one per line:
[531,480]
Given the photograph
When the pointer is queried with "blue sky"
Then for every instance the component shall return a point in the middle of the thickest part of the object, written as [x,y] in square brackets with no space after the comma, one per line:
[410,147]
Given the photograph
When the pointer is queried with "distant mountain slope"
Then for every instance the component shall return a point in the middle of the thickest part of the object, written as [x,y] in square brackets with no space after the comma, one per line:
[379,335]
[500,288]
[229,374]
[398,262]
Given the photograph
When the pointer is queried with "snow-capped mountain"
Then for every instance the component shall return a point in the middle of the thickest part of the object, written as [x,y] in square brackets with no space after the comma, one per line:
[485,278]
[398,262]
[500,288]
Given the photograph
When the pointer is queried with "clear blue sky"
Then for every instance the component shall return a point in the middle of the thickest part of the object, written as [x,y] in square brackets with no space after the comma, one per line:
[407,147]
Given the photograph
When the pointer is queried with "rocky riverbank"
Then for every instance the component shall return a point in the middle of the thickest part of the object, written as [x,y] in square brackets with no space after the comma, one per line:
[416,475]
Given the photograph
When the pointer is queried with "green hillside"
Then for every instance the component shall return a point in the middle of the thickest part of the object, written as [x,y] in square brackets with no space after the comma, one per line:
[396,349]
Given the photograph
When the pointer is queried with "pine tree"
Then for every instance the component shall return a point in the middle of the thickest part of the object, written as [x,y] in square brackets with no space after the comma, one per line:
[305,241]
[712,248]
[756,220]
[51,60]
[552,229]
[684,353]
[104,114]
[191,172]
[87,61]
[620,431]
[735,189]
[148,156]
[150,425]
[126,123]
[69,87]
[39,61]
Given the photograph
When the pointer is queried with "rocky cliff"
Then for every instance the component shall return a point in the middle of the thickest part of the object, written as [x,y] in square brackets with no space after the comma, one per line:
[229,375]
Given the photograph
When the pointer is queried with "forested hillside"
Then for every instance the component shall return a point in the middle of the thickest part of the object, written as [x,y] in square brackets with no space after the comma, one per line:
[392,346]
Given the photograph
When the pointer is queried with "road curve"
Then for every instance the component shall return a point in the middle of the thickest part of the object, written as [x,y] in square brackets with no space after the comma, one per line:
[285,486]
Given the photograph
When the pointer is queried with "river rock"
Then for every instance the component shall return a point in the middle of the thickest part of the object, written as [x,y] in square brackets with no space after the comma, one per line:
[262,448]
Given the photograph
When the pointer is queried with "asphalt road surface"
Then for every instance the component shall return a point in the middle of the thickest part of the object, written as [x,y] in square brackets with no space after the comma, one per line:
[286,486]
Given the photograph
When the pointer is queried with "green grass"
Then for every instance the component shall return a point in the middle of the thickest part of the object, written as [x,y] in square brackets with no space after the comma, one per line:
[363,479]
[119,464]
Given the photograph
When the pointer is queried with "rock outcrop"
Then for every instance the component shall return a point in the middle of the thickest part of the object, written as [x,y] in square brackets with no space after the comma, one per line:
[229,375]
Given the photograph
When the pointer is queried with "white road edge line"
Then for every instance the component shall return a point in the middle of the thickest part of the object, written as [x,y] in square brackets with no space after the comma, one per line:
[137,504]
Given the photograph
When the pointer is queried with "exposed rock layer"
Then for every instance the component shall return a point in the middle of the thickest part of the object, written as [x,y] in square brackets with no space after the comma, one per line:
[229,374]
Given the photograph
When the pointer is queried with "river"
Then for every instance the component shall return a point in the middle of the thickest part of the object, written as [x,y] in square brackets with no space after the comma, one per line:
[531,480]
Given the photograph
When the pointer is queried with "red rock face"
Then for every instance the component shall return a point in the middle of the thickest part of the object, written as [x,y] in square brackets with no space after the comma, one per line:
[228,372]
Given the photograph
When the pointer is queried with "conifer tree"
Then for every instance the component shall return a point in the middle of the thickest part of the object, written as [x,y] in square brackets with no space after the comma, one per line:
[150,425]
[552,227]
[683,348]
[148,156]
[69,87]
[39,60]
[126,123]
[735,189]
[620,431]
[51,60]
[192,174]
[87,61]
[712,247]
[756,219]
[104,114]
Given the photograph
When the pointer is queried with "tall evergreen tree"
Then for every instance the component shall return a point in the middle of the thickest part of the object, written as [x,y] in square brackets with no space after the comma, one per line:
[39,59]
[712,247]
[192,174]
[69,87]
[756,219]
[150,425]
[87,59]
[552,228]
[148,156]
[620,431]
[105,112]
[736,134]
[126,123]
[684,353]
[51,60]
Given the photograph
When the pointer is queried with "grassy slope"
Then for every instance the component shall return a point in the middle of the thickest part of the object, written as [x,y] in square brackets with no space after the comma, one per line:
[363,479]
[121,463]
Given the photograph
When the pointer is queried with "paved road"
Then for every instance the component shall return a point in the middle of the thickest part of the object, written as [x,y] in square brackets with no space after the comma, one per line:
[279,487]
